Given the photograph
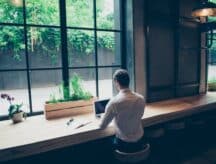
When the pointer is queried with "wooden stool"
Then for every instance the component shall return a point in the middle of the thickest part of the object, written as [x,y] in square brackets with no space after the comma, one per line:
[133,157]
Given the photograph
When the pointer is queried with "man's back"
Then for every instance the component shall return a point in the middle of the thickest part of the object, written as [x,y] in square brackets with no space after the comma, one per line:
[127,109]
[129,112]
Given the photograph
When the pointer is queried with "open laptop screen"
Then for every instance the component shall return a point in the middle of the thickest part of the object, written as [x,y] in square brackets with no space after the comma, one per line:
[100,106]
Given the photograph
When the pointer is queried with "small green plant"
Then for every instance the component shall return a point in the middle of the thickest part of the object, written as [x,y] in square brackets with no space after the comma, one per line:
[13,108]
[75,91]
[52,99]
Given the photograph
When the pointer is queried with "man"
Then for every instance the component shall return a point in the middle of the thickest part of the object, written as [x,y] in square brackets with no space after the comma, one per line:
[127,109]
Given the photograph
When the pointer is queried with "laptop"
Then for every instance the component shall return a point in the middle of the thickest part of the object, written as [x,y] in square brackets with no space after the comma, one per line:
[99,107]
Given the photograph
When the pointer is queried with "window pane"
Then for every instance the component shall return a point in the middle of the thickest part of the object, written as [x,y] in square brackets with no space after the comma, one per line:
[12,47]
[14,84]
[211,72]
[44,47]
[79,13]
[11,11]
[106,88]
[45,85]
[109,47]
[108,14]
[88,78]
[81,48]
[42,12]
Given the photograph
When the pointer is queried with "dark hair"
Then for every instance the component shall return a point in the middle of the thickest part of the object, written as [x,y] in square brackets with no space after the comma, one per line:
[122,77]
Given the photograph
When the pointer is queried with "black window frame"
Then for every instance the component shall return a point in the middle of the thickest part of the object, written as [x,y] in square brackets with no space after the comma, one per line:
[63,34]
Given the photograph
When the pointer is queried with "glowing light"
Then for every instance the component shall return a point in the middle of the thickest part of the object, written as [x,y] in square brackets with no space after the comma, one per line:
[17,3]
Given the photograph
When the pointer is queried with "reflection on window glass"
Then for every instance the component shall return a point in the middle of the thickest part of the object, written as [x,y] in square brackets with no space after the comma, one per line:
[106,88]
[12,47]
[14,84]
[42,12]
[11,12]
[44,47]
[80,13]
[88,79]
[108,15]
[45,86]
[108,48]
[81,48]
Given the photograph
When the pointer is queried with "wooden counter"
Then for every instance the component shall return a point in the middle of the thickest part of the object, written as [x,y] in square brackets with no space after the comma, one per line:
[36,134]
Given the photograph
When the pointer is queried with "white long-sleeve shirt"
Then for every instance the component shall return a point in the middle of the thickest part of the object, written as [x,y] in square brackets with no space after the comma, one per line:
[127,109]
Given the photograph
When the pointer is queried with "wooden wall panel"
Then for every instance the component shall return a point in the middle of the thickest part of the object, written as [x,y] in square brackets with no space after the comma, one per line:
[161,58]
[161,50]
[189,51]
[173,49]
[188,67]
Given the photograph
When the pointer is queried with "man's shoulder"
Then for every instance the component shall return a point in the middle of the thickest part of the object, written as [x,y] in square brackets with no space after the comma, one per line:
[139,99]
[114,100]
[139,95]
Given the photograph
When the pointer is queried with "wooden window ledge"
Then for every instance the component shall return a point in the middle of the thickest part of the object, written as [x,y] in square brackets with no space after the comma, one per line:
[36,134]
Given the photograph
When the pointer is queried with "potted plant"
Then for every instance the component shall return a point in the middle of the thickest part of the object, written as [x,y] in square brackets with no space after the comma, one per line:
[14,110]
[72,101]
[212,84]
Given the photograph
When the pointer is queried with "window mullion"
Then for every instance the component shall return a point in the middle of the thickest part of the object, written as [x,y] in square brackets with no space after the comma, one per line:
[95,47]
[63,25]
[27,57]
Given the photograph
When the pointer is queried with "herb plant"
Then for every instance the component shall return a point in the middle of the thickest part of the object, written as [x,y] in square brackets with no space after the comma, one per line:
[75,91]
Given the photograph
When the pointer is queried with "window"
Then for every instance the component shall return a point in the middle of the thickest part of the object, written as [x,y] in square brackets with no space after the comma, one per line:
[44,42]
[211,81]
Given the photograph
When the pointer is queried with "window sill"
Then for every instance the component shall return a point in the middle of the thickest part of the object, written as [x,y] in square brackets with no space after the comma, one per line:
[36,134]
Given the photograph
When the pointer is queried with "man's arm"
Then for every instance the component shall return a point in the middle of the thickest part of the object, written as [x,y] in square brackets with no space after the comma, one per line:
[109,115]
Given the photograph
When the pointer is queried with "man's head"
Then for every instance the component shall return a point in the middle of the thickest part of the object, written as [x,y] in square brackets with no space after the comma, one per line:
[121,79]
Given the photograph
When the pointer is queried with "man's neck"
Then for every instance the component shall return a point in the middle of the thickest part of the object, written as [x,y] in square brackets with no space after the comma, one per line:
[124,88]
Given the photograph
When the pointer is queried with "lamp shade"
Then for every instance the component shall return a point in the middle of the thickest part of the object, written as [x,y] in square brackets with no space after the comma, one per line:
[205,9]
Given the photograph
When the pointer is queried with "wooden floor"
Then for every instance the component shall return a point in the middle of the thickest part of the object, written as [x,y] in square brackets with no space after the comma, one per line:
[207,156]
[199,152]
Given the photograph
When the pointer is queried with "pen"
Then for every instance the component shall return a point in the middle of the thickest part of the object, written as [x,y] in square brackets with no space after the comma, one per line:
[69,122]
[81,125]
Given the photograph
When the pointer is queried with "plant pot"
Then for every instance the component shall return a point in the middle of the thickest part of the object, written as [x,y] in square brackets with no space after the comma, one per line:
[211,86]
[70,108]
[18,117]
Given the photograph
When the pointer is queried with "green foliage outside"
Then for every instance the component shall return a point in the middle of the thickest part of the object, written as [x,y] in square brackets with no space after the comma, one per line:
[212,80]
[212,84]
[77,92]
[212,19]
[43,12]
